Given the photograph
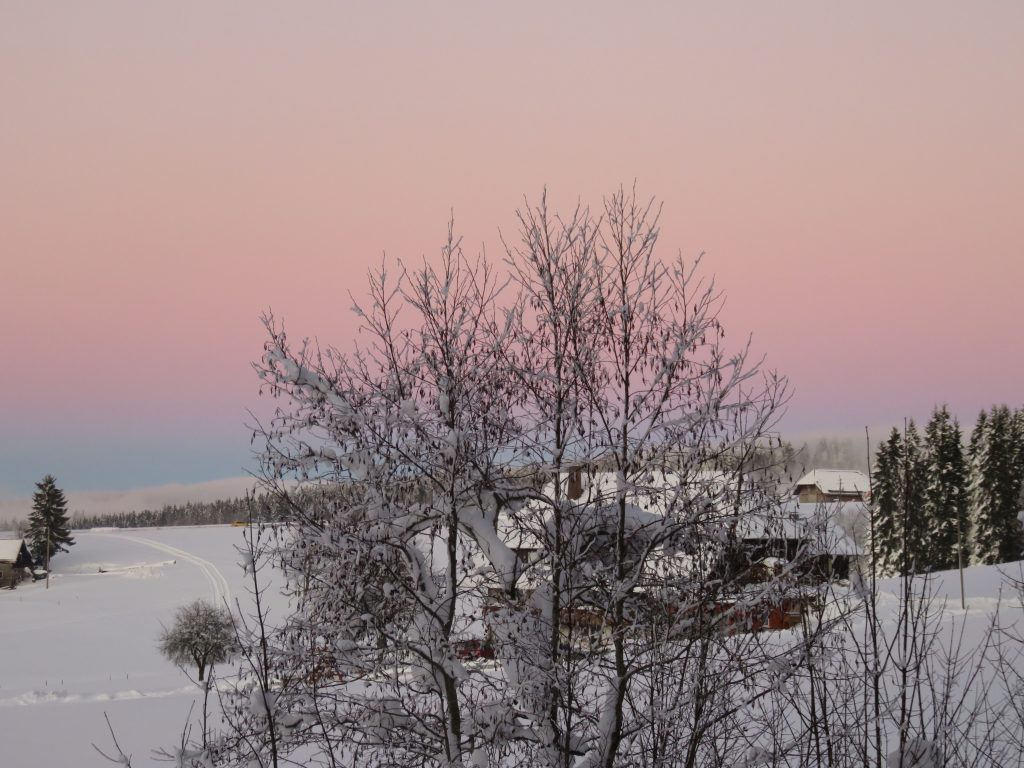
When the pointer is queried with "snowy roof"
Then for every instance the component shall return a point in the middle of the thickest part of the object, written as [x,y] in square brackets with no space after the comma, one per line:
[10,549]
[815,523]
[655,490]
[836,480]
[651,501]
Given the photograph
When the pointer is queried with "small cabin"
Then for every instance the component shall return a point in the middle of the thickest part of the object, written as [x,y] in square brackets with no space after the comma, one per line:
[14,559]
[820,486]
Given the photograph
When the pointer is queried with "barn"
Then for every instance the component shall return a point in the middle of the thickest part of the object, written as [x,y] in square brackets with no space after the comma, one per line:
[14,559]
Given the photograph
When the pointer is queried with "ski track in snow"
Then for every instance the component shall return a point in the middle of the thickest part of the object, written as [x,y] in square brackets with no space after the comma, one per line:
[221,596]
[221,590]
[63,697]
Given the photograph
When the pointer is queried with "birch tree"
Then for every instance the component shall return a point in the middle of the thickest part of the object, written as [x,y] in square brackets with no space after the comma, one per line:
[532,481]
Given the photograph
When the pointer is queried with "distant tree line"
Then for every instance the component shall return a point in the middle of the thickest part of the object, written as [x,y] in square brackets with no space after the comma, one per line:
[264,508]
[217,512]
[937,502]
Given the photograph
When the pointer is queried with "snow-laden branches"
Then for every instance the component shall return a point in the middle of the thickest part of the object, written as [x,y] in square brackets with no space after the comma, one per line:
[522,545]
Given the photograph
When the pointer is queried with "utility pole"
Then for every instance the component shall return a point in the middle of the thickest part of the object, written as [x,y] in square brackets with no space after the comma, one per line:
[960,552]
[47,552]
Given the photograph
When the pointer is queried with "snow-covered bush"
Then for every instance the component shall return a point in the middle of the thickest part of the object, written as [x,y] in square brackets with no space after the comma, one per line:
[202,635]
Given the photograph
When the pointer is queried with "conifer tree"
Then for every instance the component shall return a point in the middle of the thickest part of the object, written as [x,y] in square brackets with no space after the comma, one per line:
[946,492]
[1012,487]
[886,505]
[995,487]
[1017,441]
[913,502]
[48,526]
[1018,476]
[980,499]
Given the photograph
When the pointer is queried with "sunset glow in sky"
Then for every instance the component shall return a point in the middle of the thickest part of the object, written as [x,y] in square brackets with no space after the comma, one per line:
[168,171]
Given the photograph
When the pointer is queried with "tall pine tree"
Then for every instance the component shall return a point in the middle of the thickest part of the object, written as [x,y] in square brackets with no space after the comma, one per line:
[914,501]
[996,487]
[899,504]
[946,507]
[1015,487]
[887,506]
[48,527]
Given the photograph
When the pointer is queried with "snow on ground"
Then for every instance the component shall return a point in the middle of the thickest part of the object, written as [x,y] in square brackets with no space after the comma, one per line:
[986,589]
[88,644]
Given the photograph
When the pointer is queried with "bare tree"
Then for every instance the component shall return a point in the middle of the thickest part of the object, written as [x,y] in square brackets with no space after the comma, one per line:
[202,635]
[523,543]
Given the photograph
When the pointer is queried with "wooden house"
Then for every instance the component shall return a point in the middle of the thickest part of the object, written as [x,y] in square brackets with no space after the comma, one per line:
[820,486]
[808,534]
[14,560]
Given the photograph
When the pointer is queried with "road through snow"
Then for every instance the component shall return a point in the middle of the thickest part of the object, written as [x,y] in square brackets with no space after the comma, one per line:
[221,590]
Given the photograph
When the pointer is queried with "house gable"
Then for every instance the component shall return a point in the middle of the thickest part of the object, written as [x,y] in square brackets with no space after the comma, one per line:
[824,485]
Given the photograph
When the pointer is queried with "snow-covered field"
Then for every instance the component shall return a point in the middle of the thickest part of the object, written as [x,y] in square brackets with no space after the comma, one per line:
[88,645]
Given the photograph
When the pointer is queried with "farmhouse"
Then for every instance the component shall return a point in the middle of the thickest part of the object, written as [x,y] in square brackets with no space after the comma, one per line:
[807,533]
[799,525]
[803,540]
[796,531]
[824,485]
[14,559]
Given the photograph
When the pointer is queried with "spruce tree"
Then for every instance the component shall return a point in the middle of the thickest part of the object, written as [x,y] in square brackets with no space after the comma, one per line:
[1013,492]
[913,503]
[995,488]
[1018,477]
[886,505]
[946,492]
[48,527]
[978,499]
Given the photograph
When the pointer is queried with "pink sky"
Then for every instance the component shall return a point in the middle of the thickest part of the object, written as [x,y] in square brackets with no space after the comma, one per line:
[854,172]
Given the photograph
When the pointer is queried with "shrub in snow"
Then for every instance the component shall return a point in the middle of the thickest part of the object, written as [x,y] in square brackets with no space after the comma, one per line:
[202,635]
